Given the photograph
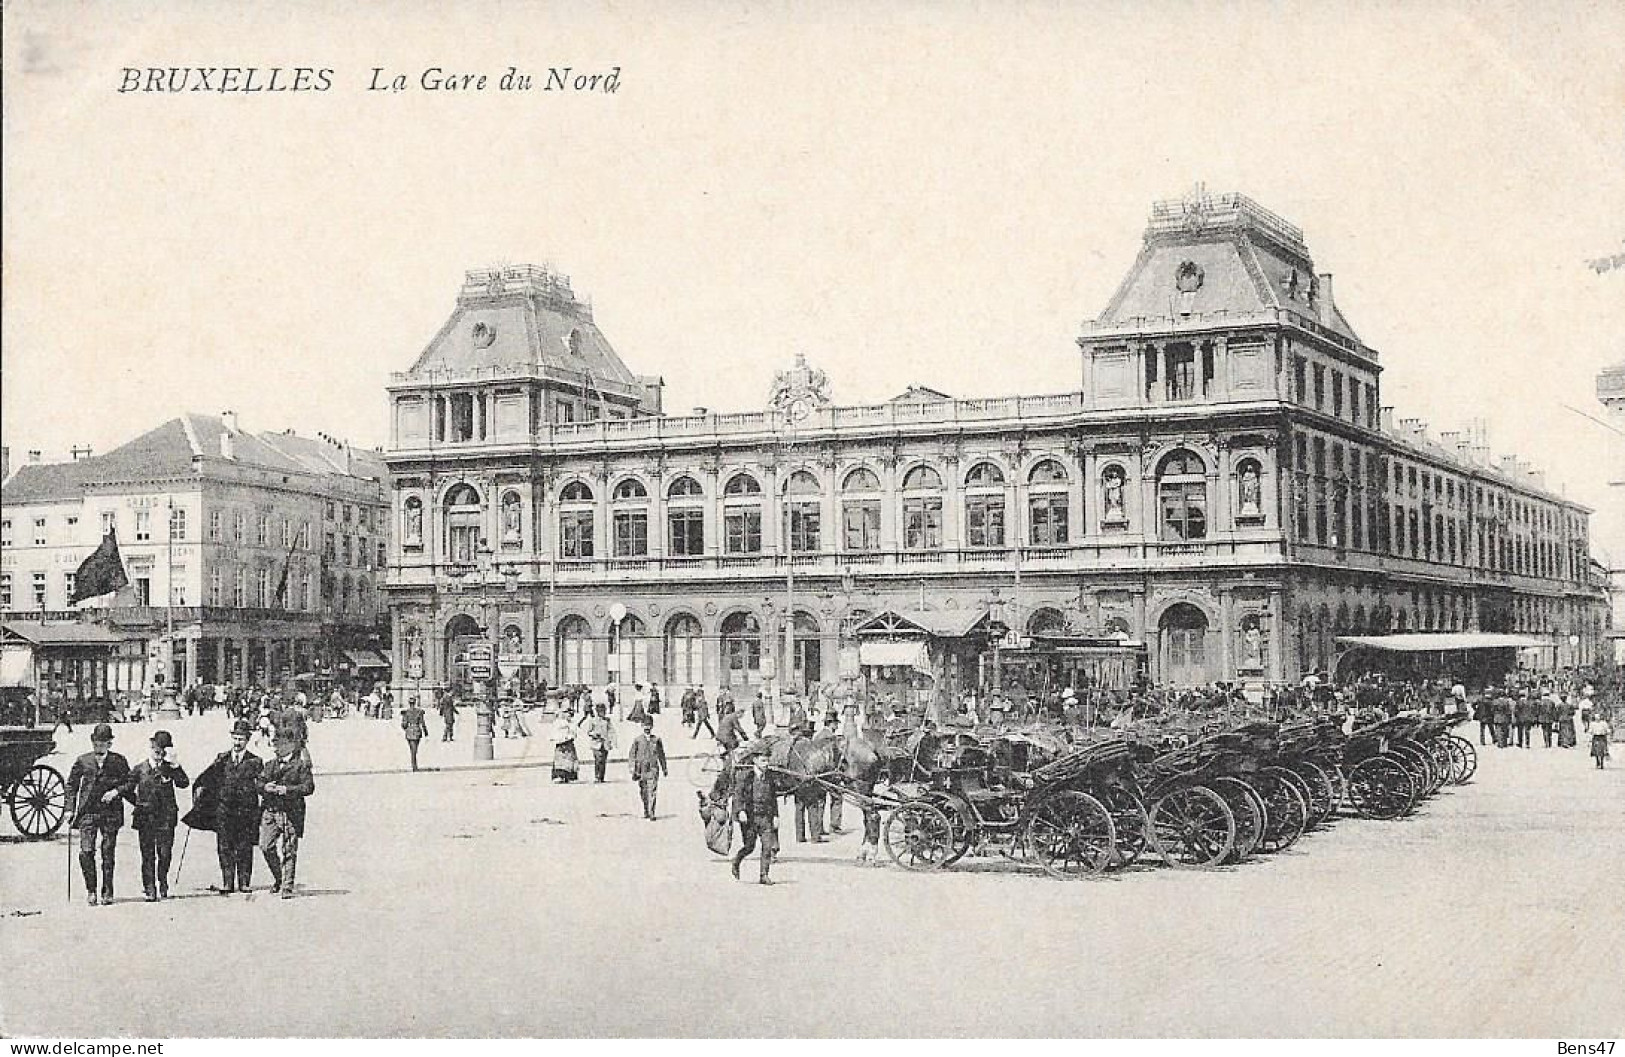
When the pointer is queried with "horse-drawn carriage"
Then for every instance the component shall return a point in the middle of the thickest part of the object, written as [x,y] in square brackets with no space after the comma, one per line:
[34,791]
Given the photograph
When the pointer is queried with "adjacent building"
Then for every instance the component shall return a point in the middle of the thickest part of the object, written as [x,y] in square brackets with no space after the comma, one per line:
[252,557]
[1224,485]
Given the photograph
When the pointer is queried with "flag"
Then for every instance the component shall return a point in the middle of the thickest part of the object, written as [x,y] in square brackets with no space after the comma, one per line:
[287,563]
[100,574]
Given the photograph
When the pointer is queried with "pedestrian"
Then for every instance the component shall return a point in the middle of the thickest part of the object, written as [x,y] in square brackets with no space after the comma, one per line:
[1600,730]
[414,727]
[1565,723]
[1523,717]
[290,723]
[283,785]
[98,783]
[1549,705]
[446,705]
[831,738]
[231,782]
[654,700]
[566,764]
[702,715]
[685,705]
[647,760]
[1483,710]
[756,808]
[758,714]
[730,731]
[600,739]
[798,714]
[1501,717]
[156,813]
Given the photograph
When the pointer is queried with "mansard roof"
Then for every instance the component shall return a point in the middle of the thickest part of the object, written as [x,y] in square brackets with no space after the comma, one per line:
[518,317]
[1222,255]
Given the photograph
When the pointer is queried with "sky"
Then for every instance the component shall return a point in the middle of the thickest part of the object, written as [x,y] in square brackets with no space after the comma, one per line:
[904,193]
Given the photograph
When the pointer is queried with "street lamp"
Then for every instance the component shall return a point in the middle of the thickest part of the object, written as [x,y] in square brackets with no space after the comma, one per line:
[485,702]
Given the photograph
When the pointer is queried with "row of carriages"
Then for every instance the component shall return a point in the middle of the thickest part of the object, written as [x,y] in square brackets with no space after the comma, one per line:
[1082,803]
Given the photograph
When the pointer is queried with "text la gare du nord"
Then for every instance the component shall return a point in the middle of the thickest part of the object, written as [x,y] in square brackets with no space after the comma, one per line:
[255,79]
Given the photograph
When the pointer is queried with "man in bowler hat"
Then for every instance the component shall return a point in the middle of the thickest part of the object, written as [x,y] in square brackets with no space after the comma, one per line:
[232,779]
[756,808]
[647,758]
[156,813]
[98,783]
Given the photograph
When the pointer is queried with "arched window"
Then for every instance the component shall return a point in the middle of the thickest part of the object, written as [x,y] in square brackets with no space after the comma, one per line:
[575,651]
[576,521]
[1184,645]
[685,656]
[984,506]
[742,484]
[1182,496]
[1046,621]
[809,666]
[741,650]
[629,520]
[803,513]
[412,522]
[922,509]
[685,519]
[463,516]
[629,651]
[513,519]
[860,511]
[742,515]
[1047,506]
[684,488]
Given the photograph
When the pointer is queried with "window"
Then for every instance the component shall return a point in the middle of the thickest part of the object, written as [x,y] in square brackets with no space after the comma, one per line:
[5,590]
[575,651]
[216,595]
[565,411]
[349,550]
[741,650]
[214,524]
[330,550]
[922,509]
[304,592]
[575,534]
[742,484]
[463,514]
[143,591]
[1181,380]
[287,533]
[349,513]
[69,582]
[742,527]
[39,590]
[684,488]
[1337,394]
[803,513]
[383,554]
[5,533]
[177,523]
[109,522]
[1300,383]
[860,511]
[262,592]
[238,527]
[330,509]
[631,533]
[984,506]
[39,531]
[73,523]
[1320,386]
[686,532]
[239,589]
[143,525]
[262,530]
[1047,505]
[1354,401]
[177,585]
[685,657]
[1182,494]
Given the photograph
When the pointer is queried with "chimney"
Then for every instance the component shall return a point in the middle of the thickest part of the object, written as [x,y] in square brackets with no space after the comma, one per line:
[81,453]
[34,455]
[228,449]
[1325,306]
[1387,420]
[700,412]
[349,460]
[229,420]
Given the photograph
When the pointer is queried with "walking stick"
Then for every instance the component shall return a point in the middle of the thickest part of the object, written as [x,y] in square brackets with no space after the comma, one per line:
[182,860]
[70,866]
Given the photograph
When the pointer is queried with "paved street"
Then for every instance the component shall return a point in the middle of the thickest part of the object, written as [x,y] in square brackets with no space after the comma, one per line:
[489,902]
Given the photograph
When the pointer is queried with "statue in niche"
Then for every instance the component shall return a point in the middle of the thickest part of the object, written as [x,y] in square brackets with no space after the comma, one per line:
[414,648]
[512,642]
[1252,644]
[1114,494]
[1251,502]
[510,518]
[414,521]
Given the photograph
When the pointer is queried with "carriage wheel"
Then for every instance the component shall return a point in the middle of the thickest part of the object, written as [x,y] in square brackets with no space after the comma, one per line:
[1466,757]
[1248,806]
[1129,818]
[1071,834]
[1379,787]
[1417,763]
[962,821]
[919,836]
[1319,795]
[39,802]
[1288,810]
[1444,761]
[1191,827]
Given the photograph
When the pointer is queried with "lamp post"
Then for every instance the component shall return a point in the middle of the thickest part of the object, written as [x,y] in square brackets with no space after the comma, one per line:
[482,659]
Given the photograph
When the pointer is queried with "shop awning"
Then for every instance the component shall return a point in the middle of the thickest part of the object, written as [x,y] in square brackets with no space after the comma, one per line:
[1441,642]
[60,634]
[942,624]
[895,654]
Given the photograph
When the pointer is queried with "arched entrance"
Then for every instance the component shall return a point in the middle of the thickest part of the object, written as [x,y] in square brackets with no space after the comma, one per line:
[1183,646]
[461,630]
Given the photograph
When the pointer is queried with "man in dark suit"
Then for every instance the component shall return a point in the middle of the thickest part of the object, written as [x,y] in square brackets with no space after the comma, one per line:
[231,782]
[647,759]
[97,785]
[284,783]
[756,808]
[414,727]
[156,813]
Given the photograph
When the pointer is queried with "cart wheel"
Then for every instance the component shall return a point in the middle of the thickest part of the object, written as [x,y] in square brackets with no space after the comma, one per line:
[1128,816]
[962,821]
[1379,787]
[918,836]
[1288,811]
[1466,757]
[1248,807]
[1191,827]
[1417,763]
[1322,792]
[1444,761]
[1071,835]
[39,802]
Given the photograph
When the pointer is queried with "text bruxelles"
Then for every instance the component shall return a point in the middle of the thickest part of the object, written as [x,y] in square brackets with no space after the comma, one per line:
[224,79]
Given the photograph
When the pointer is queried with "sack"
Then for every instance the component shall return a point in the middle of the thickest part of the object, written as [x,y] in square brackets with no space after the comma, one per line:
[719,831]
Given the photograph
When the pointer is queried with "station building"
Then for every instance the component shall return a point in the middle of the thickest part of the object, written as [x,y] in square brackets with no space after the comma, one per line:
[1224,485]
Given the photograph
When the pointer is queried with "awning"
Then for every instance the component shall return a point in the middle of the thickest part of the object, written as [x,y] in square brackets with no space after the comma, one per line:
[942,624]
[365,659]
[61,634]
[895,654]
[1441,643]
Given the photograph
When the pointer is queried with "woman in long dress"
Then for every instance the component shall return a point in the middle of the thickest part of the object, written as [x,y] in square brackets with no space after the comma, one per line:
[566,765]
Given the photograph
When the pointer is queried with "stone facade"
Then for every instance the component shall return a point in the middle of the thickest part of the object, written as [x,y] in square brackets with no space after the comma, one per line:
[1224,485]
